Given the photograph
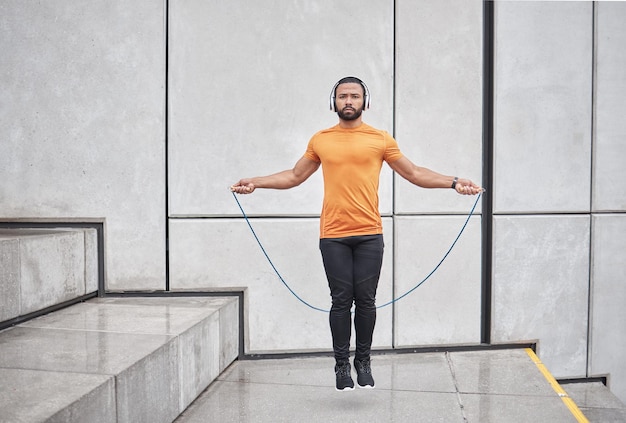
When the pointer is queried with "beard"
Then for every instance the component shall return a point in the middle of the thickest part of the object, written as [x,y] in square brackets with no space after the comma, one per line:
[350,114]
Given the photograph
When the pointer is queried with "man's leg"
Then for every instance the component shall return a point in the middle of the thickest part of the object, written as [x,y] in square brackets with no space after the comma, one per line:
[337,257]
[368,257]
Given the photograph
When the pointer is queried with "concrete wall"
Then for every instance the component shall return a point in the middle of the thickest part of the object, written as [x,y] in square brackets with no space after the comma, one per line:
[82,125]
[542,151]
[246,103]
[238,76]
[438,125]
[83,129]
[559,222]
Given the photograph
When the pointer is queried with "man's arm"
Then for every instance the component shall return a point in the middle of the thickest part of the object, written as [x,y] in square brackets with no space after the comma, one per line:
[427,178]
[282,180]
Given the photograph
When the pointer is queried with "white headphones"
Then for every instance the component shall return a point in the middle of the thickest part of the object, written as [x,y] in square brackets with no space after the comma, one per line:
[347,79]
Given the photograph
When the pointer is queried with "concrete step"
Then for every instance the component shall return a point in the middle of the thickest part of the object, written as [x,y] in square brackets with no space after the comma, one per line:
[597,402]
[40,268]
[126,359]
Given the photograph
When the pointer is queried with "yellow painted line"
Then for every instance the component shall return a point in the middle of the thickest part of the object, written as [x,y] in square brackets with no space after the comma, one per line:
[571,405]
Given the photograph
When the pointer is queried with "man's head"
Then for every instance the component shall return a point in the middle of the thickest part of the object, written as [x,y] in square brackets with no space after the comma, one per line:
[349,97]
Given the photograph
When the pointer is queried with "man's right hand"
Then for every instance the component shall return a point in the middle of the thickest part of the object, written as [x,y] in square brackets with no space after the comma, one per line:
[243,187]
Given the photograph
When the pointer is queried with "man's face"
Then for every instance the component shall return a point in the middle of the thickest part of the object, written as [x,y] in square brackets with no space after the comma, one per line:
[349,100]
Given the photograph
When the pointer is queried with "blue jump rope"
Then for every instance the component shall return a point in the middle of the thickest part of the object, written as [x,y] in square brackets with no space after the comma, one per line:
[380,306]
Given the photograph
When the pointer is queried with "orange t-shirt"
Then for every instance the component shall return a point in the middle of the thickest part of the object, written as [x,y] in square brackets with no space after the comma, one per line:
[351,161]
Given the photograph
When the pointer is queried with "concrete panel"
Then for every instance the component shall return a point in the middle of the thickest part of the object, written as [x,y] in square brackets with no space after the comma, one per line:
[82,124]
[163,318]
[608,339]
[224,254]
[45,267]
[610,127]
[9,277]
[445,309]
[199,362]
[543,119]
[506,372]
[438,95]
[541,287]
[52,268]
[75,351]
[37,396]
[249,85]
[149,390]
[597,402]
[229,334]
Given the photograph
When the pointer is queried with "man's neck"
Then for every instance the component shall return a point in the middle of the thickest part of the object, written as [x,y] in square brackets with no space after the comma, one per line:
[350,124]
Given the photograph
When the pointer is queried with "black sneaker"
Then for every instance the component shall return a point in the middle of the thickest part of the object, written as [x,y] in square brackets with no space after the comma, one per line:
[344,380]
[364,373]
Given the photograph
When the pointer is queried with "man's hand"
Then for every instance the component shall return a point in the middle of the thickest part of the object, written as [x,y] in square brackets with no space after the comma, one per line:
[467,187]
[243,187]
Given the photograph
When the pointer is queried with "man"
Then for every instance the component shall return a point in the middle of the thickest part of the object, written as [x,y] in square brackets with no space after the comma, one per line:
[351,241]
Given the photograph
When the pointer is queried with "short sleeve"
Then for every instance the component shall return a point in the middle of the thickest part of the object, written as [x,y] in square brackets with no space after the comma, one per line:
[392,151]
[310,151]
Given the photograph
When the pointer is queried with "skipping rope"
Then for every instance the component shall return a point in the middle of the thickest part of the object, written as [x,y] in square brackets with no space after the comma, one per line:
[380,306]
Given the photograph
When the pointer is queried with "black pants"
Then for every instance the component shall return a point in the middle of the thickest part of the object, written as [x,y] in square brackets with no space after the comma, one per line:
[352,267]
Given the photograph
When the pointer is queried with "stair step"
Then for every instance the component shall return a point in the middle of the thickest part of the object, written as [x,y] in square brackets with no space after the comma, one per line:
[40,268]
[116,359]
[597,402]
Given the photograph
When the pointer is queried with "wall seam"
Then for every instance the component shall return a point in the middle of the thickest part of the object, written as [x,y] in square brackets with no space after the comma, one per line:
[487,177]
[393,186]
[167,182]
[594,40]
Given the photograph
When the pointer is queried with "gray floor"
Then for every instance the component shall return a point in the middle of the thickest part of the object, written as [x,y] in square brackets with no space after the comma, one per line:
[479,386]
